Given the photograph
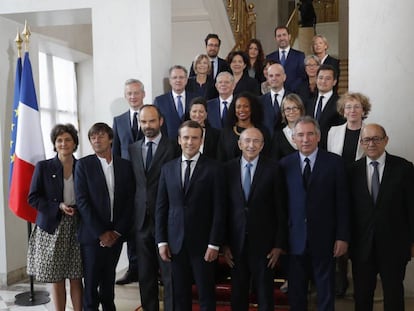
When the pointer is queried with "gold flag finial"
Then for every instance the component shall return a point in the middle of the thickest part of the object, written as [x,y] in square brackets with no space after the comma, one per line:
[26,35]
[19,42]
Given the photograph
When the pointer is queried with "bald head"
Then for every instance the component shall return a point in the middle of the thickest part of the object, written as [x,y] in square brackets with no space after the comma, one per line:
[276,77]
[251,142]
[374,139]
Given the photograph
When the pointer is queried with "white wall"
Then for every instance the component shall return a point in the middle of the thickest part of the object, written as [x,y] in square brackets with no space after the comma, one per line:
[381,66]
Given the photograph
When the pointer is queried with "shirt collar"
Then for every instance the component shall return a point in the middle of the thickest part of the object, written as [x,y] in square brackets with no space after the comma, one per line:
[195,158]
[380,160]
[176,94]
[253,162]
[156,140]
[311,157]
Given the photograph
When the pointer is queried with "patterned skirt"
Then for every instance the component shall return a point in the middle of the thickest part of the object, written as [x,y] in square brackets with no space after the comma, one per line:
[54,257]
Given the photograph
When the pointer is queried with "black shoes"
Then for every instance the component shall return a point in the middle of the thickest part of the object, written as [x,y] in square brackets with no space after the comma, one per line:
[127,278]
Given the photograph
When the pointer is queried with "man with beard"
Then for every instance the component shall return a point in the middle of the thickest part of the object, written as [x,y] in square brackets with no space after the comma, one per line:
[147,156]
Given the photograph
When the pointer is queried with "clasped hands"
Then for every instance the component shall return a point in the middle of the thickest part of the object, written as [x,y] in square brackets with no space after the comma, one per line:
[108,238]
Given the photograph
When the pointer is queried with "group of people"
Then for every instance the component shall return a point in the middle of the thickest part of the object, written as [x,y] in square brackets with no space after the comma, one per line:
[213,167]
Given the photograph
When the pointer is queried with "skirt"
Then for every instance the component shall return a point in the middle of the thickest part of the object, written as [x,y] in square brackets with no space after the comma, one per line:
[54,257]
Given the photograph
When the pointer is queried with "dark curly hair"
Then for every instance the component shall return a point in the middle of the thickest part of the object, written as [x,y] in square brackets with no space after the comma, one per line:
[60,129]
[256,116]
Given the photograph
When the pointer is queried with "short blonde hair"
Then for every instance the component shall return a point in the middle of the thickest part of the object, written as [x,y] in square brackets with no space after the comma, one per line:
[359,97]
[292,97]
[198,59]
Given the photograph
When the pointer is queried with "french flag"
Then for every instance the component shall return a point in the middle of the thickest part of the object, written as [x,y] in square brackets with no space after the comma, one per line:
[28,145]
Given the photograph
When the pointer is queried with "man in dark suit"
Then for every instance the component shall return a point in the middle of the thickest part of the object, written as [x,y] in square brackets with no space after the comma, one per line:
[271,101]
[218,64]
[257,222]
[323,107]
[189,221]
[382,218]
[218,107]
[104,187]
[292,60]
[318,207]
[147,165]
[174,105]
[126,131]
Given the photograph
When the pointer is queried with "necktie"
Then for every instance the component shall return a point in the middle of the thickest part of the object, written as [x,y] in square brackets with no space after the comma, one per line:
[247,180]
[306,173]
[212,69]
[180,107]
[224,115]
[319,108]
[187,174]
[135,125]
[149,155]
[283,59]
[276,105]
[375,182]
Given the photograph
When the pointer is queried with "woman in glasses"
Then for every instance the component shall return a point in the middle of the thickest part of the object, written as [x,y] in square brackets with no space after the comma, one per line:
[292,109]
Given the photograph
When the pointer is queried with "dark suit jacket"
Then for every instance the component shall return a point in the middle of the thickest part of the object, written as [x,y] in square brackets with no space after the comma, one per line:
[388,224]
[294,67]
[271,120]
[214,116]
[168,110]
[211,141]
[92,198]
[280,147]
[329,117]
[247,84]
[147,181]
[319,216]
[262,216]
[329,60]
[207,90]
[122,135]
[46,193]
[222,66]
[194,218]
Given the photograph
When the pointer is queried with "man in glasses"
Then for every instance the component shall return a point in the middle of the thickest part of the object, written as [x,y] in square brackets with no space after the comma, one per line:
[382,221]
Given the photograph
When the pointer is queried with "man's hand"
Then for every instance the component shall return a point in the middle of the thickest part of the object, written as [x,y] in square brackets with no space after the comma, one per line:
[340,248]
[108,238]
[165,253]
[228,256]
[211,254]
[273,257]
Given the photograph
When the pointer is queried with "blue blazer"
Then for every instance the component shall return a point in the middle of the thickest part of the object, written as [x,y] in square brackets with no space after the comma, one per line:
[168,110]
[46,193]
[213,113]
[320,215]
[271,120]
[194,218]
[294,68]
[122,135]
[263,215]
[93,201]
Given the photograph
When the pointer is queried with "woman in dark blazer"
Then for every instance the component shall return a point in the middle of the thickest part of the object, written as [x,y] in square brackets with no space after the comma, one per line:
[54,252]
[292,109]
[238,61]
[198,113]
[202,84]
[245,111]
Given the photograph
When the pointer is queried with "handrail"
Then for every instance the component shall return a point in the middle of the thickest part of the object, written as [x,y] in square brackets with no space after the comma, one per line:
[242,20]
[293,26]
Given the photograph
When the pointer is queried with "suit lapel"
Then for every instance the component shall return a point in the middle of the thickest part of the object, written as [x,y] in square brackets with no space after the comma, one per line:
[256,177]
[196,173]
[127,122]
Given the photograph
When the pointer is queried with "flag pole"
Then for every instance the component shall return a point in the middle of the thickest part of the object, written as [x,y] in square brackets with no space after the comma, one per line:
[32,297]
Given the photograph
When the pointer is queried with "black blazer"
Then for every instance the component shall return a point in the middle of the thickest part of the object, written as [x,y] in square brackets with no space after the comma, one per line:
[207,90]
[247,84]
[263,215]
[46,193]
[329,117]
[280,146]
[92,198]
[211,139]
[147,181]
[389,224]
[222,66]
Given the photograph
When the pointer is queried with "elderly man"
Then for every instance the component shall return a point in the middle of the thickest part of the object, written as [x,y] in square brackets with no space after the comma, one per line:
[174,105]
[382,217]
[318,207]
[257,222]
[217,107]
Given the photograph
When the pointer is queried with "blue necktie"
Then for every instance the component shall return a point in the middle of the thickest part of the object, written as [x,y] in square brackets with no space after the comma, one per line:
[283,59]
[375,182]
[224,115]
[319,108]
[149,155]
[180,107]
[247,180]
[135,126]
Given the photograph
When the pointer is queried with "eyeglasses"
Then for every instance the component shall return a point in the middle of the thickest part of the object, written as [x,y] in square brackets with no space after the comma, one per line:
[311,65]
[291,109]
[254,141]
[374,139]
[350,107]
